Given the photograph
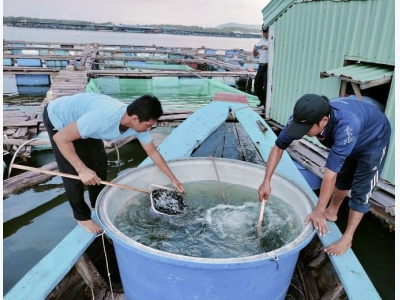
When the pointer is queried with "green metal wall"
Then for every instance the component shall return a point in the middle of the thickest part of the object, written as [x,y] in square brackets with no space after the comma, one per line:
[314,36]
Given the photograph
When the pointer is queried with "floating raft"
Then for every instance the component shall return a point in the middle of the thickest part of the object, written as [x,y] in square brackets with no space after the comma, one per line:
[20,56]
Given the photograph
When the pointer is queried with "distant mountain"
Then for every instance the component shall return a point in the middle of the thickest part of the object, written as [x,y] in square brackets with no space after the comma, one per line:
[237,25]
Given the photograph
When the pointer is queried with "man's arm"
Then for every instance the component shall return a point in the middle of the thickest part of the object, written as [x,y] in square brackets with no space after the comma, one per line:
[327,186]
[273,159]
[64,140]
[159,161]
[255,51]
[317,216]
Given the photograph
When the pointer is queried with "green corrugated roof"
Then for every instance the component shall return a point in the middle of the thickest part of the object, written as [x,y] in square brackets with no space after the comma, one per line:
[366,75]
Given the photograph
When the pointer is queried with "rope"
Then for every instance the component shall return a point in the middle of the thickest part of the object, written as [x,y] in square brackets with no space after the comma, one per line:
[16,152]
[91,289]
[232,112]
[105,255]
[275,259]
[246,106]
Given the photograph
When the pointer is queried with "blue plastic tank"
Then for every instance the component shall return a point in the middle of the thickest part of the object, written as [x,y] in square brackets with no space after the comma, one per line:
[148,273]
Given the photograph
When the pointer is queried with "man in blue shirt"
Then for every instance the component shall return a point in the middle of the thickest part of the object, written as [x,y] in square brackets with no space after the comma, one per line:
[358,135]
[77,126]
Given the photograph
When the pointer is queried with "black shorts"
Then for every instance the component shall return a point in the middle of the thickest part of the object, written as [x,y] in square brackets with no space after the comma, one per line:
[361,175]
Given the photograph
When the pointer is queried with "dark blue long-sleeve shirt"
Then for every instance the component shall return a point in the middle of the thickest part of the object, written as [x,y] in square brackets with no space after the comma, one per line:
[355,127]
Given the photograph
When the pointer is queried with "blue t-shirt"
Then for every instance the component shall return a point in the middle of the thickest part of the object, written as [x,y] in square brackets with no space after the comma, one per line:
[355,127]
[98,116]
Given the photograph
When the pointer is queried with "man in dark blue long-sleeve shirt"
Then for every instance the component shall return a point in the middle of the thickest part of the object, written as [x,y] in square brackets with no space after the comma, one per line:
[357,134]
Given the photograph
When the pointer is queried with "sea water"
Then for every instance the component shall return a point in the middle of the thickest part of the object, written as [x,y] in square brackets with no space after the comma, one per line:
[212,227]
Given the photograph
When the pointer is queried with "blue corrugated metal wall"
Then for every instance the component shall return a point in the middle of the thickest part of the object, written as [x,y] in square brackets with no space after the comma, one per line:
[313,36]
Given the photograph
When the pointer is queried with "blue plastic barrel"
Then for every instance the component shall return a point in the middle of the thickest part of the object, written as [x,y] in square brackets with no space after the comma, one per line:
[29,62]
[148,273]
[32,79]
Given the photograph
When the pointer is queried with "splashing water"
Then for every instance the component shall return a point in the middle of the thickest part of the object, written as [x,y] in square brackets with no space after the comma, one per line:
[210,228]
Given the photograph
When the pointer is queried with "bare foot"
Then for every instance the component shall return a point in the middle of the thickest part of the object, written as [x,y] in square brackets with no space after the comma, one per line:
[330,215]
[91,226]
[339,247]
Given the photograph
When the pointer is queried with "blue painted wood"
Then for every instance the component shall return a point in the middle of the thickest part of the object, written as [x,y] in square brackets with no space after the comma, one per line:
[47,273]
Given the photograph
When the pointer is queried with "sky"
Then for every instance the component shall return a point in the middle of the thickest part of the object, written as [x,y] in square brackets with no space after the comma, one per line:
[203,13]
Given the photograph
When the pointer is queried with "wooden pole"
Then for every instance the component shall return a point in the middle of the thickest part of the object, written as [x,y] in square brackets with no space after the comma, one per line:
[77,177]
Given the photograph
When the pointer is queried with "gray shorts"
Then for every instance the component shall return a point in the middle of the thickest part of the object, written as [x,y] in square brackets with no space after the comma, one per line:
[361,175]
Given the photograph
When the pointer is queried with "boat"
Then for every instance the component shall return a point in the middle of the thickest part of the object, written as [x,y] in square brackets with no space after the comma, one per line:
[80,265]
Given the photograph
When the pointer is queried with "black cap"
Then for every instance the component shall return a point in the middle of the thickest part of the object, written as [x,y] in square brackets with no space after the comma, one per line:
[262,28]
[308,110]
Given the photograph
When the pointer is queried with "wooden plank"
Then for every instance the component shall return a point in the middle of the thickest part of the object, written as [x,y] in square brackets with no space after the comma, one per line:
[249,151]
[356,90]
[13,114]
[172,112]
[27,70]
[20,123]
[309,155]
[90,274]
[343,84]
[231,142]
[318,149]
[389,188]
[146,73]
[15,119]
[309,165]
[173,117]
[172,123]
[379,212]
[369,84]
[21,133]
[383,199]
[10,131]
[19,142]
[209,146]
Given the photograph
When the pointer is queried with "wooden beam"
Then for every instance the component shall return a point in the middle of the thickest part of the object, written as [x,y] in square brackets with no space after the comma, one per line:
[343,84]
[356,90]
[90,274]
[366,85]
[19,142]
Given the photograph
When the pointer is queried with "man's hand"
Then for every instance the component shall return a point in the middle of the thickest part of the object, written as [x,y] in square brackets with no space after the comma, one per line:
[319,222]
[264,191]
[179,186]
[89,177]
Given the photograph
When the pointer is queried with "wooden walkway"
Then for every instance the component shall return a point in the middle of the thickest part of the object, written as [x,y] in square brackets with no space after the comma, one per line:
[122,56]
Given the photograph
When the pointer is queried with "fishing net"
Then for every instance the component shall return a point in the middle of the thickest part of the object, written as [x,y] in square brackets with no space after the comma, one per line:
[174,93]
[168,202]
